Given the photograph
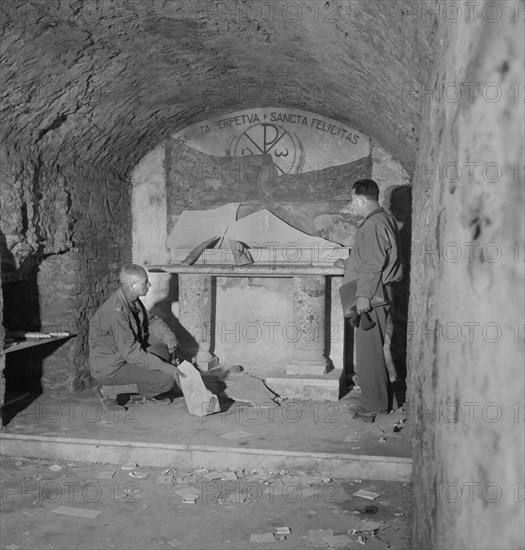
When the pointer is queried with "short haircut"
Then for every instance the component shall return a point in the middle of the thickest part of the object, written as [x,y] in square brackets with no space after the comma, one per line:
[131,272]
[368,188]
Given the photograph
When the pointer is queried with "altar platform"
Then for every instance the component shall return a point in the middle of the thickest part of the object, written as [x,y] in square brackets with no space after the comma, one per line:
[311,435]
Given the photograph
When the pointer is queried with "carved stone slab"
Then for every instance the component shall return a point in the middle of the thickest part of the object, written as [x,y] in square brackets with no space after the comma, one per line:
[199,400]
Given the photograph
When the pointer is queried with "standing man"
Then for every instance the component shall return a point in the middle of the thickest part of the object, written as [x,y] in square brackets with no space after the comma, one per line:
[374,264]
[130,345]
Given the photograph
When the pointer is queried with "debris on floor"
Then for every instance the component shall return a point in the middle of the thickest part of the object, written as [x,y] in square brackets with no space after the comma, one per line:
[318,536]
[264,537]
[189,508]
[363,493]
[188,491]
[235,435]
[138,474]
[213,475]
[357,525]
[131,494]
[106,474]
[164,480]
[369,510]
[336,541]
[78,512]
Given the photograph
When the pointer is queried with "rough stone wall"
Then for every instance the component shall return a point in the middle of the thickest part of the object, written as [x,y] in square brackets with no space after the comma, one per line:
[467,290]
[64,232]
[116,76]
[389,175]
[2,340]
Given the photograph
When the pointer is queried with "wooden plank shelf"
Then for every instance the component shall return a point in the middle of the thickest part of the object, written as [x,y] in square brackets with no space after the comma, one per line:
[19,343]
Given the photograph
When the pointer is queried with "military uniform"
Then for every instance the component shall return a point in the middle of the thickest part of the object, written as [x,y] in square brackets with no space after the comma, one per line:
[374,263]
[120,333]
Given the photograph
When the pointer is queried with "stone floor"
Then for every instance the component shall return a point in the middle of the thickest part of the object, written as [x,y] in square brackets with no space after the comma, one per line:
[69,505]
[293,426]
[267,446]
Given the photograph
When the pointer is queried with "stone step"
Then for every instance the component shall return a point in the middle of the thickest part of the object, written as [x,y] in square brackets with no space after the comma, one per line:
[324,387]
[164,455]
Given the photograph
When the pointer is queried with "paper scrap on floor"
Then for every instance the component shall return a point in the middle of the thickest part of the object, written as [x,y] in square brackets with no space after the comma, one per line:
[235,435]
[262,537]
[363,493]
[78,512]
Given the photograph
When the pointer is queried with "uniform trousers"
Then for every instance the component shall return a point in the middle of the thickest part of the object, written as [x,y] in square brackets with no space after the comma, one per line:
[149,382]
[370,362]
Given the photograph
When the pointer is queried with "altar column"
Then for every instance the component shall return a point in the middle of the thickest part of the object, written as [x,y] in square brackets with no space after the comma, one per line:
[309,306]
[195,316]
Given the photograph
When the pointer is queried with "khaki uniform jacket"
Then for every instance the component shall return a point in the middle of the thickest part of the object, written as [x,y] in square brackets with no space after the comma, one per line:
[119,333]
[376,255]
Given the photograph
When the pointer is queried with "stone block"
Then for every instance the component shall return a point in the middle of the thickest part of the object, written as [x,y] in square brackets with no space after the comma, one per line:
[316,388]
[208,364]
[298,369]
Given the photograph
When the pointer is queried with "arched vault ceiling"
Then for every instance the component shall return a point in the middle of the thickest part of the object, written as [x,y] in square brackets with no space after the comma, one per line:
[106,81]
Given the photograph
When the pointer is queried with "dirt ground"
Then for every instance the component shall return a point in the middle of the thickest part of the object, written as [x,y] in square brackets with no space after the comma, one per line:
[232,505]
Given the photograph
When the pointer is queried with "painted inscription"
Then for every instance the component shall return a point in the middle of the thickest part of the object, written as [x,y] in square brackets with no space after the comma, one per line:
[296,140]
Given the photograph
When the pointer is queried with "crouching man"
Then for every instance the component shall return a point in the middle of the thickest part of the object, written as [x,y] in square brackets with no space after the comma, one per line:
[130,345]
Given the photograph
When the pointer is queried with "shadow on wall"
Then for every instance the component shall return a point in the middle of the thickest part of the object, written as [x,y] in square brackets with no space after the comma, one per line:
[346,380]
[21,311]
[401,208]
[162,308]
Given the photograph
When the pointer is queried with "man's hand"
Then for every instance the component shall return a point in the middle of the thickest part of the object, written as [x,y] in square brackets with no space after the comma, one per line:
[172,350]
[339,262]
[177,373]
[362,304]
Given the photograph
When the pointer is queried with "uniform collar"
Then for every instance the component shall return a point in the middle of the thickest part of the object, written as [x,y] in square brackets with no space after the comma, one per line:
[127,301]
[376,211]
[369,215]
